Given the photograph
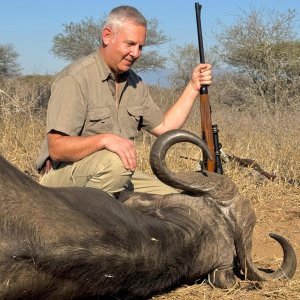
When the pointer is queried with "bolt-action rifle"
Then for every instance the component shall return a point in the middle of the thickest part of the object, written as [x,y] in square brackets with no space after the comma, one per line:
[208,130]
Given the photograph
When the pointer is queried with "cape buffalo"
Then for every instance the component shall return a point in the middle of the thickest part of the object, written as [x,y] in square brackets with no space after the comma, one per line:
[67,243]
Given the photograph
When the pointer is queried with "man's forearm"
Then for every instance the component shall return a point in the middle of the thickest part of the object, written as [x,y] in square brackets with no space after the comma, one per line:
[72,148]
[177,114]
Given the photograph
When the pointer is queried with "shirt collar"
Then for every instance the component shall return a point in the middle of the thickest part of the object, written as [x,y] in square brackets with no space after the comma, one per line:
[105,73]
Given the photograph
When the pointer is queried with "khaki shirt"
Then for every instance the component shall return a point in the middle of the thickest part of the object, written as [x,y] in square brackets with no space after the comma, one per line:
[84,101]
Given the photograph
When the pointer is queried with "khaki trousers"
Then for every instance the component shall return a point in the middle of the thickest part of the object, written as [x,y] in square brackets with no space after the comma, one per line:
[104,170]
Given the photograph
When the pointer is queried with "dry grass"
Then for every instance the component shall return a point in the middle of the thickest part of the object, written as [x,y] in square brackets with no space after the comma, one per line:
[243,290]
[20,139]
[272,140]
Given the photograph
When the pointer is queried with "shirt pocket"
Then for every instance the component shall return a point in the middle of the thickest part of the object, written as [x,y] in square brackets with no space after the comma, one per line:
[136,117]
[99,120]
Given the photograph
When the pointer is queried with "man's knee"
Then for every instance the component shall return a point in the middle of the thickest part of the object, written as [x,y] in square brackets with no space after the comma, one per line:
[108,173]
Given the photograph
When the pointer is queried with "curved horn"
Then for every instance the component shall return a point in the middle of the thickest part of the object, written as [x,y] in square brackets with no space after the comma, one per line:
[158,163]
[286,270]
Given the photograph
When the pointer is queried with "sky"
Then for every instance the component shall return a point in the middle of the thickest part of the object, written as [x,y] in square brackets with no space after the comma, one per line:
[30,25]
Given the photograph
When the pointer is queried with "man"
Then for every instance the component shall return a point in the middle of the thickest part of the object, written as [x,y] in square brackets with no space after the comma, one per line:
[98,104]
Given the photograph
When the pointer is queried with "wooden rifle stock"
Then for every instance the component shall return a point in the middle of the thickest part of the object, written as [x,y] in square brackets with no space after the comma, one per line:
[205,110]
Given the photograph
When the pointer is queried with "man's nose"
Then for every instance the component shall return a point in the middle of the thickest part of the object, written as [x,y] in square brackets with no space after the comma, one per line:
[136,51]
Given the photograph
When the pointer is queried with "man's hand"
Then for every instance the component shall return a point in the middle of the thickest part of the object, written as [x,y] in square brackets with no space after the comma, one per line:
[202,75]
[123,147]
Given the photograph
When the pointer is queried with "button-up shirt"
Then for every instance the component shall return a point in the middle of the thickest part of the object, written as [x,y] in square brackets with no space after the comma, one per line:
[86,100]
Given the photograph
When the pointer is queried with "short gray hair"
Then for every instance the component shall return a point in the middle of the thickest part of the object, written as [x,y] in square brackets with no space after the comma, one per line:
[124,13]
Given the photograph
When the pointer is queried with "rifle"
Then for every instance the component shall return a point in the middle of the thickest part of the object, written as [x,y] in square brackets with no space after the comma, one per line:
[209,131]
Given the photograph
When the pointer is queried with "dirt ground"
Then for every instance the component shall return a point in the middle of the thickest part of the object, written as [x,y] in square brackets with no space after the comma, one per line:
[277,208]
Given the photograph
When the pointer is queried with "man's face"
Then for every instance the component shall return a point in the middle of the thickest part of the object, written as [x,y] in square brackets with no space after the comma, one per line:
[123,46]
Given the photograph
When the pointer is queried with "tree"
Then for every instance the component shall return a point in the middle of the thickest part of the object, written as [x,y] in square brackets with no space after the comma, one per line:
[83,38]
[264,50]
[184,59]
[8,61]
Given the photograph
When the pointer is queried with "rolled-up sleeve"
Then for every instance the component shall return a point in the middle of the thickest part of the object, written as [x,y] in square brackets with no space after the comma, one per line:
[152,114]
[67,108]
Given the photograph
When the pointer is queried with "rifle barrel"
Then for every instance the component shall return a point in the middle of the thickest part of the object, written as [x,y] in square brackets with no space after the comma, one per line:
[199,31]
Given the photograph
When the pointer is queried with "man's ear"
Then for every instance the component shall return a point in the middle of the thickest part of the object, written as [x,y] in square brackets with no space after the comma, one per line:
[107,35]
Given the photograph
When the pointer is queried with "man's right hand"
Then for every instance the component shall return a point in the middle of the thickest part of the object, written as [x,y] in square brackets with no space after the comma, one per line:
[123,147]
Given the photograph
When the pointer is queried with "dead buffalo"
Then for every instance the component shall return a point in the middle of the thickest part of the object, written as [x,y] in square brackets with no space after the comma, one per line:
[67,243]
